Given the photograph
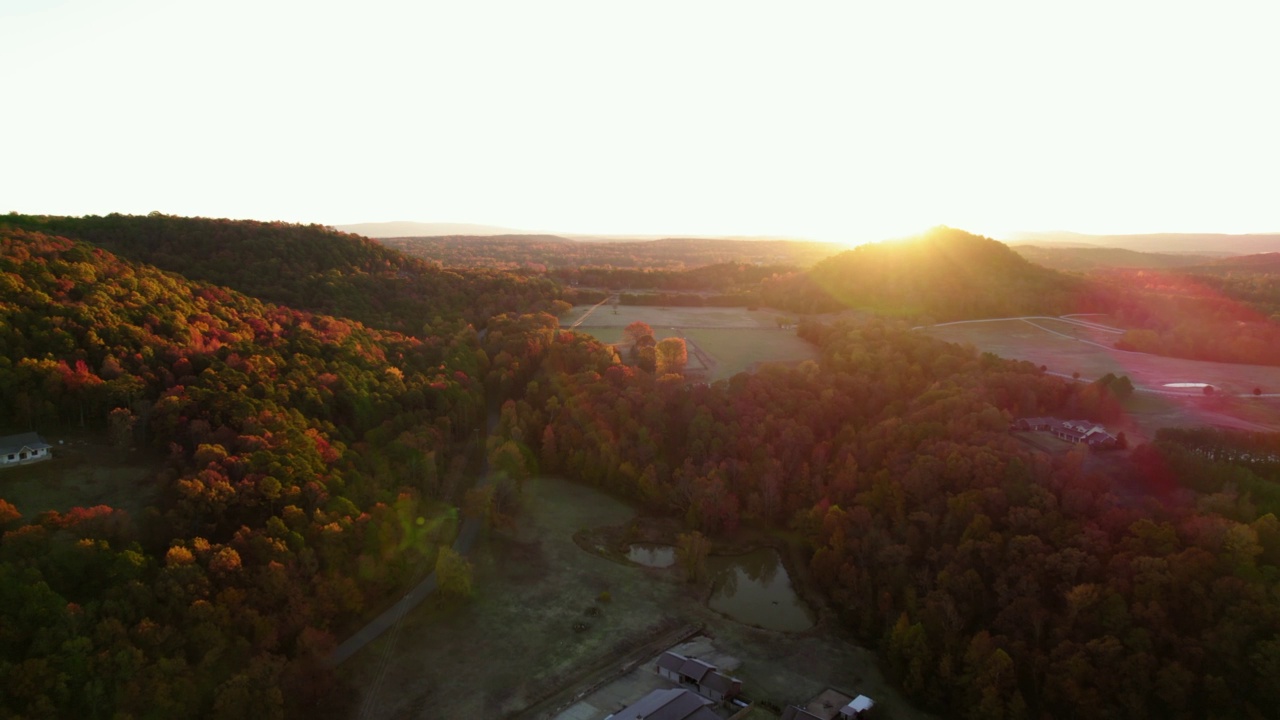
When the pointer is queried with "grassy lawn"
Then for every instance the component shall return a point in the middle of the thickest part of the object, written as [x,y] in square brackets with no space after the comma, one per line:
[85,471]
[736,339]
[738,350]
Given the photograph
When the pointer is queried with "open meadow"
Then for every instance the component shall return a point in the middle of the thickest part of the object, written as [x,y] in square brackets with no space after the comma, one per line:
[722,341]
[85,471]
[1049,343]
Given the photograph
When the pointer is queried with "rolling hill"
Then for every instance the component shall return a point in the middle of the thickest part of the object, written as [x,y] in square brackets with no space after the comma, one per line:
[290,449]
[944,274]
[309,267]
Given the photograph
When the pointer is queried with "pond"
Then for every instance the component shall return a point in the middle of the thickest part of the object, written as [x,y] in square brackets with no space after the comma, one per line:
[651,555]
[1186,385]
[755,589]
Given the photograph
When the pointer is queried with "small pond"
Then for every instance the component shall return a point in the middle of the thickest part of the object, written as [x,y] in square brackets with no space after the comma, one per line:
[651,555]
[755,589]
[1186,385]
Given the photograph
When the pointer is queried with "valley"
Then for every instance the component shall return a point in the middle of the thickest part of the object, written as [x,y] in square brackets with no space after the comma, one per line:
[361,485]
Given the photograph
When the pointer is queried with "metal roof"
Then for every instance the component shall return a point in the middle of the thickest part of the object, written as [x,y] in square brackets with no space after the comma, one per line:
[720,682]
[17,443]
[671,661]
[673,704]
[696,669]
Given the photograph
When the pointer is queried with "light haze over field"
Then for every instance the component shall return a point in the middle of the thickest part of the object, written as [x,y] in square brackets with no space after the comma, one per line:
[836,121]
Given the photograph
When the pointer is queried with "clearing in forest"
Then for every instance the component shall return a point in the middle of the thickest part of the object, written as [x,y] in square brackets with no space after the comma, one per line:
[85,471]
[722,341]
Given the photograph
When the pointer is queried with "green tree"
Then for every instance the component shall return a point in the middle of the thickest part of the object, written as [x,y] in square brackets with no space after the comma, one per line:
[691,552]
[453,572]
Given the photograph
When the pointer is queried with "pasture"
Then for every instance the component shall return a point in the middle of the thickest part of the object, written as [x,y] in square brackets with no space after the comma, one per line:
[1048,343]
[730,340]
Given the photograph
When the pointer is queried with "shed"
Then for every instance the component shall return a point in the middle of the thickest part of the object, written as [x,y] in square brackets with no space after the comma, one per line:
[720,687]
[669,665]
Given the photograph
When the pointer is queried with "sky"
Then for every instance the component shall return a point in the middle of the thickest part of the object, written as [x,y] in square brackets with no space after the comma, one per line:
[843,121]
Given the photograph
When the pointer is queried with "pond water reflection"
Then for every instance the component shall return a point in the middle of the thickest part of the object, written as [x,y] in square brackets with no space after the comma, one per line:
[755,589]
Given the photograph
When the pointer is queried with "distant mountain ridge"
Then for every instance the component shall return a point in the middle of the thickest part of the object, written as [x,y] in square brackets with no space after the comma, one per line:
[1075,258]
[406,228]
[1207,243]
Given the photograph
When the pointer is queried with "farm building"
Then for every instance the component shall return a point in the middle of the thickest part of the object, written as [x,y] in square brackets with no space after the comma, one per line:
[670,704]
[700,674]
[1072,431]
[23,448]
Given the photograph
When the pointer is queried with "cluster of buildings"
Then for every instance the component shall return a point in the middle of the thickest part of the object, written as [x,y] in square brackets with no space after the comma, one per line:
[1073,431]
[23,448]
[705,693]
[699,675]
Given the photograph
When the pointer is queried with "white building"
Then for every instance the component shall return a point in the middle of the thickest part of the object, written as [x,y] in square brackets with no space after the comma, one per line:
[23,448]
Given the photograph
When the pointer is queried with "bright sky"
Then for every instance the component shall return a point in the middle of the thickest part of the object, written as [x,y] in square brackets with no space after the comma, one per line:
[842,121]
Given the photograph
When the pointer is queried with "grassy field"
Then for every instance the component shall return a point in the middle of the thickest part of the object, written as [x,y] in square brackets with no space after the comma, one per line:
[533,585]
[85,471]
[735,339]
[682,317]
[1148,411]
[1025,341]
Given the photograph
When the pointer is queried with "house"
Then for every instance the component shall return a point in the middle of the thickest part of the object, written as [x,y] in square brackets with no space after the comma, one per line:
[23,448]
[1071,435]
[670,704]
[702,675]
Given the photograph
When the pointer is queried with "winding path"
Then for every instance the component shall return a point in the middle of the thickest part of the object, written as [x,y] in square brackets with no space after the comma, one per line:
[390,619]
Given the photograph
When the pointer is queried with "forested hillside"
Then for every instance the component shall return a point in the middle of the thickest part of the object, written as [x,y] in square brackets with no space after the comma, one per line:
[944,274]
[306,465]
[1227,318]
[308,267]
[995,582]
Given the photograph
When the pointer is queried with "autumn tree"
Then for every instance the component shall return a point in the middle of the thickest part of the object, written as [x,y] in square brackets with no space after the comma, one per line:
[120,422]
[671,356]
[632,333]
